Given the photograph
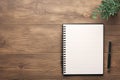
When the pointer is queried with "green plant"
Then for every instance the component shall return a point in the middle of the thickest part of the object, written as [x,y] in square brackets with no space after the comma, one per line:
[107,9]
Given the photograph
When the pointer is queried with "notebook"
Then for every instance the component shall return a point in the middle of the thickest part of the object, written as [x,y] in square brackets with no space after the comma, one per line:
[83,49]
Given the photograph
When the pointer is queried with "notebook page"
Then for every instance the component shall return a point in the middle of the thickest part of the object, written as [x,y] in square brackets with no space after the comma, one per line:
[84,49]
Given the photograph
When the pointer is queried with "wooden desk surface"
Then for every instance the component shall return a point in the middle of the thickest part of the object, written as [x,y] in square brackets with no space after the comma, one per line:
[30,38]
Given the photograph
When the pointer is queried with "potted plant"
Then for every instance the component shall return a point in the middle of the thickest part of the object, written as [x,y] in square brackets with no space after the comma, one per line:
[106,9]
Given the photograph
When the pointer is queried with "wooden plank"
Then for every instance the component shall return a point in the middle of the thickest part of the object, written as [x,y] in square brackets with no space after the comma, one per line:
[10,74]
[114,30]
[115,43]
[81,78]
[37,75]
[114,39]
[30,66]
[42,61]
[111,77]
[15,74]
[112,34]
[30,38]
[47,12]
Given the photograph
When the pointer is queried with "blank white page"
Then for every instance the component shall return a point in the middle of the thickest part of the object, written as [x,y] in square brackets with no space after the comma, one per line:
[83,49]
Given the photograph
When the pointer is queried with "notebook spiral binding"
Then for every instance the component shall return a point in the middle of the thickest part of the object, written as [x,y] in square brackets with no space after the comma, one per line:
[64,49]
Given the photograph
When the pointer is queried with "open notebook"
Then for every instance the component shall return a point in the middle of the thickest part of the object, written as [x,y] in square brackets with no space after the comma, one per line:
[83,49]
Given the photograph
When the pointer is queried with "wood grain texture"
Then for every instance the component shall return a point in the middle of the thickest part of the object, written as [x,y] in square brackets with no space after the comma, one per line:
[30,66]
[46,11]
[31,37]
[15,74]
